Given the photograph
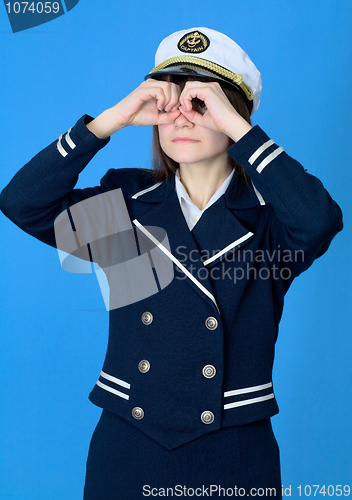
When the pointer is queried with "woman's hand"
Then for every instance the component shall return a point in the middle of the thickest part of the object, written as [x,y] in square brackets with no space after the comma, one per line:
[152,103]
[158,103]
[205,104]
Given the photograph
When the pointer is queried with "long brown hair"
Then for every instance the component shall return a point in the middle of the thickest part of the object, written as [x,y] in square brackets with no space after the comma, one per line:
[163,165]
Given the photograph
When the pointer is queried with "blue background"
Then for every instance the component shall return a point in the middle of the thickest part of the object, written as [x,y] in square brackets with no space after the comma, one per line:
[54,324]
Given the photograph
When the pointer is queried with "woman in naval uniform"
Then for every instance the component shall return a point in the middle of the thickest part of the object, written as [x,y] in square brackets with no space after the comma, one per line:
[186,387]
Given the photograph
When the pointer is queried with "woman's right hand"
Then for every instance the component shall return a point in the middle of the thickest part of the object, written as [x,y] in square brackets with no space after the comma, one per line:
[152,103]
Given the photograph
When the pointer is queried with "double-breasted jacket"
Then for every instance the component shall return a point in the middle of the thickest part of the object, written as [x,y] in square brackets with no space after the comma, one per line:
[197,355]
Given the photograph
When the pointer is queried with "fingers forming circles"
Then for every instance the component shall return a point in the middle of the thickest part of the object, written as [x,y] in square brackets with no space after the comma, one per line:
[166,93]
[174,97]
[199,90]
[203,103]
[157,102]
[146,105]
[160,96]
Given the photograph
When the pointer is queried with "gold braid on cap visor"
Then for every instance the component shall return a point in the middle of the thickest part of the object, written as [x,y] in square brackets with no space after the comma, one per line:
[236,78]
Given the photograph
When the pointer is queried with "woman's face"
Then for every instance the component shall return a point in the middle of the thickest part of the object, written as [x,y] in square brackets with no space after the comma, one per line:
[187,143]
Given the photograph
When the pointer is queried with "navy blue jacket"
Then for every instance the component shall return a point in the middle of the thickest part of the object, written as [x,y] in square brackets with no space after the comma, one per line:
[207,339]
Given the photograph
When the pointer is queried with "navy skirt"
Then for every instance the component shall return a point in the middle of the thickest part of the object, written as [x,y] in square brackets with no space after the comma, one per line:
[125,464]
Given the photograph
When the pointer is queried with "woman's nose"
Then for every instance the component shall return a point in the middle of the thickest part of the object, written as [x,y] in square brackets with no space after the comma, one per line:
[182,121]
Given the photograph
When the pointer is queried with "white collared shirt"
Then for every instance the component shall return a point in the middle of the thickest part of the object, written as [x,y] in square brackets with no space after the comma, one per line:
[190,210]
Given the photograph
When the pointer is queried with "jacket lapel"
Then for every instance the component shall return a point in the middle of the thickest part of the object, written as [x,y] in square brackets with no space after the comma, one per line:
[217,234]
[167,214]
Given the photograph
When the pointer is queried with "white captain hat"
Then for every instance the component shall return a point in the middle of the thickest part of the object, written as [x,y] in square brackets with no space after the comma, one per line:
[206,52]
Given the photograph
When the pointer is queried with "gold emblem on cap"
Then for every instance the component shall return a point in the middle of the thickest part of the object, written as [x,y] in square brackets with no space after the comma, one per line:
[194,42]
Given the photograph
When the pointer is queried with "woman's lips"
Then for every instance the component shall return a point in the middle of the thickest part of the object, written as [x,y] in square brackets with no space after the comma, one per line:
[184,140]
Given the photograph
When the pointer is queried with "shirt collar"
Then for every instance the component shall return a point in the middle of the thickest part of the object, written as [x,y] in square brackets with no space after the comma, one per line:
[183,195]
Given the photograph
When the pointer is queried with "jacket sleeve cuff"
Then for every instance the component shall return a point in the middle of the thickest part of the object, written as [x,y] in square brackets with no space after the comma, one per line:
[255,149]
[77,134]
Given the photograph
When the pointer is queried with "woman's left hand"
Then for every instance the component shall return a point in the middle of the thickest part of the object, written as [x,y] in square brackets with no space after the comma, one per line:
[216,113]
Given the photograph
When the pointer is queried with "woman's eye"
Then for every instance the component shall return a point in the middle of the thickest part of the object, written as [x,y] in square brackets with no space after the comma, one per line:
[199,106]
